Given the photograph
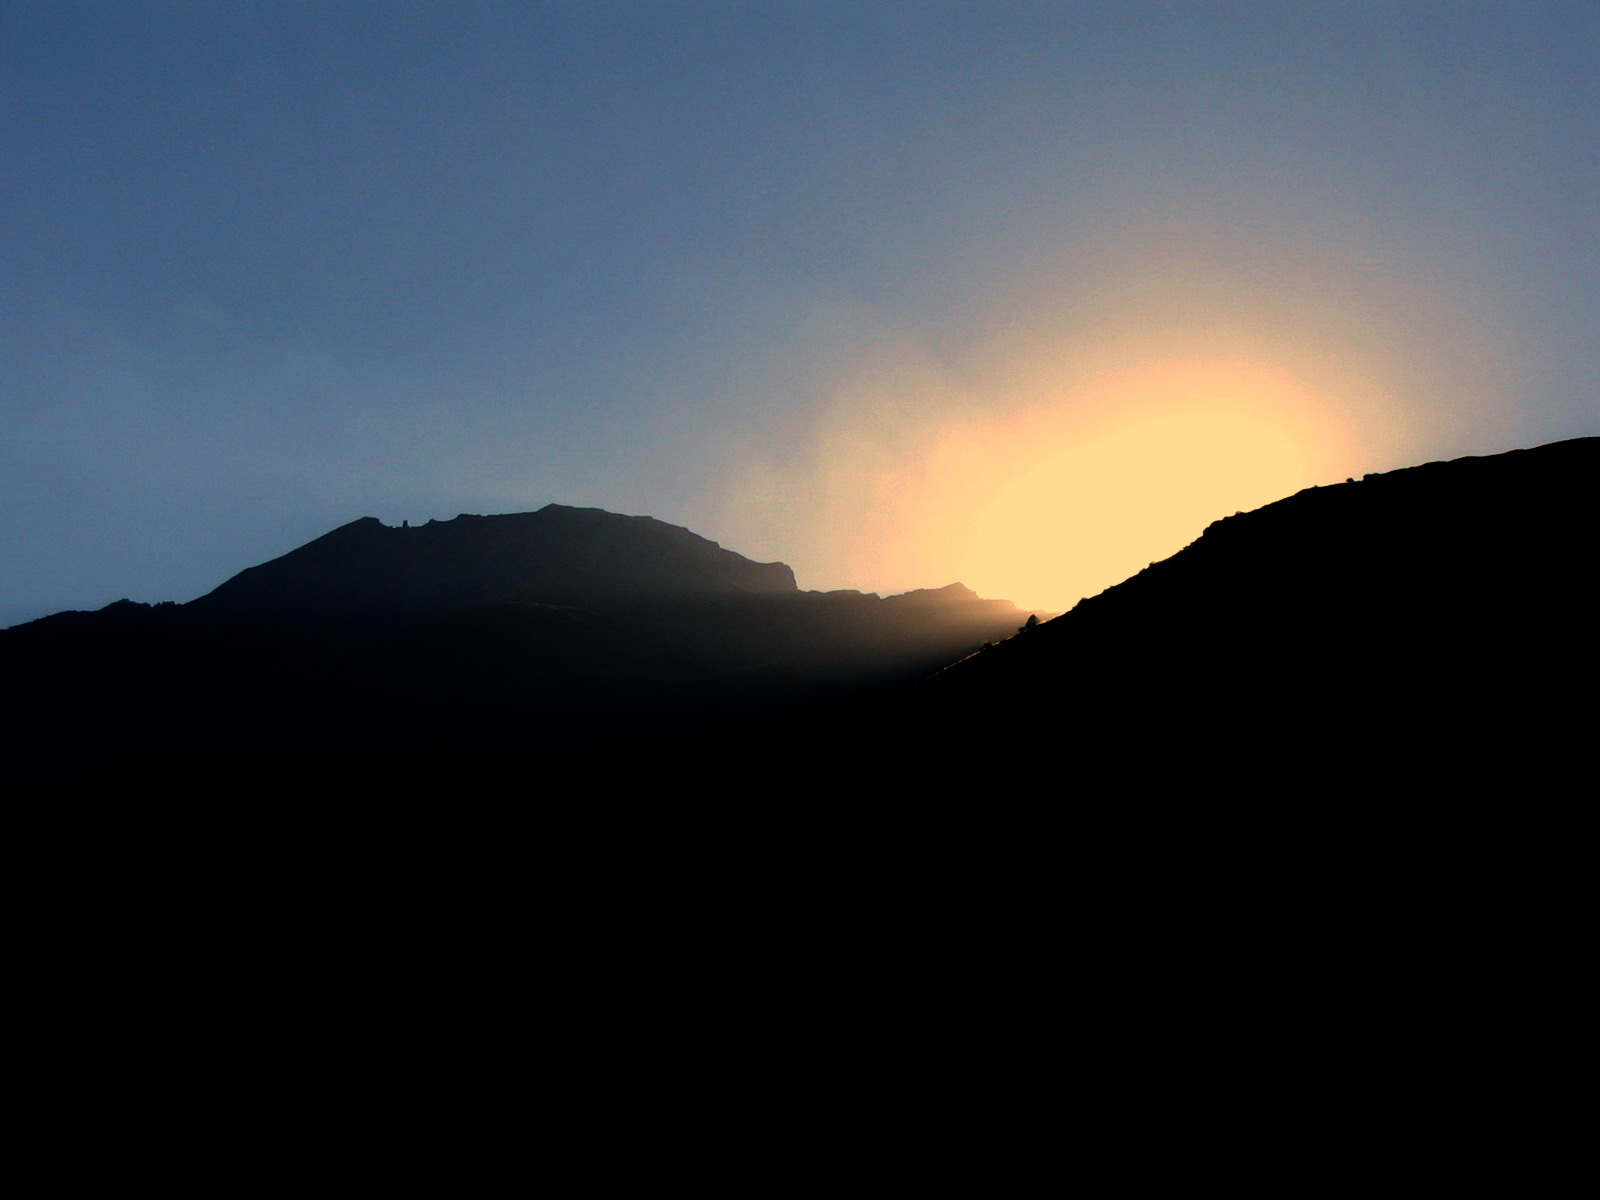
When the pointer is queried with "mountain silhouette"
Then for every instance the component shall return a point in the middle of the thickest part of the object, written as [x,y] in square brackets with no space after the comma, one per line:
[1312,787]
[1419,625]
[558,555]
[481,628]
[1426,623]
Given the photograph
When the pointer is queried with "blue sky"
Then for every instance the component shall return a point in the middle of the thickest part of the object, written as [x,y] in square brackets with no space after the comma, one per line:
[805,277]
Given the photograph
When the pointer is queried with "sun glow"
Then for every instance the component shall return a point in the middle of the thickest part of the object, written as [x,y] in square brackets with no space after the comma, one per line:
[1061,501]
[1043,478]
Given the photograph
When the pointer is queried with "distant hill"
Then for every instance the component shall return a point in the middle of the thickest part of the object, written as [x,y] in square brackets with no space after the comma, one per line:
[558,555]
[481,627]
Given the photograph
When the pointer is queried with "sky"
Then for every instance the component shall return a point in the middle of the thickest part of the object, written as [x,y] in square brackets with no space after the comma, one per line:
[900,293]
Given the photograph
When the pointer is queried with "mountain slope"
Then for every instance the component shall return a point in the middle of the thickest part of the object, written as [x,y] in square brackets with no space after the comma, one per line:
[1444,611]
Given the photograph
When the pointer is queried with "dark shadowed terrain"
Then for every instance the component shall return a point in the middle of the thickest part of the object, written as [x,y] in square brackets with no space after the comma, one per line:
[1298,811]
[1401,632]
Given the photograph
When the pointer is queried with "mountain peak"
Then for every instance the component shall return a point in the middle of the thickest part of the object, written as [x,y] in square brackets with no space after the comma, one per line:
[557,555]
[951,593]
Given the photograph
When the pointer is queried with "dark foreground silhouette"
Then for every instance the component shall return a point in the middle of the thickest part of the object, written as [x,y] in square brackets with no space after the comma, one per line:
[1396,634]
[1285,835]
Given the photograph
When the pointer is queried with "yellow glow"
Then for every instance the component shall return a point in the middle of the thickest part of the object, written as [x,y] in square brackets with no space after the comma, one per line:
[1043,477]
[1061,501]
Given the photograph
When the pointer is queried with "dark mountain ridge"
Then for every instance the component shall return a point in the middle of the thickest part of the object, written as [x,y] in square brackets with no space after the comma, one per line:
[557,555]
[1417,619]
[551,617]
[1311,787]
[1412,622]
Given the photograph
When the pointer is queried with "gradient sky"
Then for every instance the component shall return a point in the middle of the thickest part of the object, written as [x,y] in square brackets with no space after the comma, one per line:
[1021,294]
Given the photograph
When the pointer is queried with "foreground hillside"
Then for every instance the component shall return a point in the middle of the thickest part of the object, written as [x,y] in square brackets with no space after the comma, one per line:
[1425,622]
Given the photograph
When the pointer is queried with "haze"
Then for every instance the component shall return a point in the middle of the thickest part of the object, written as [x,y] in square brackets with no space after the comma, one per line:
[1020,295]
